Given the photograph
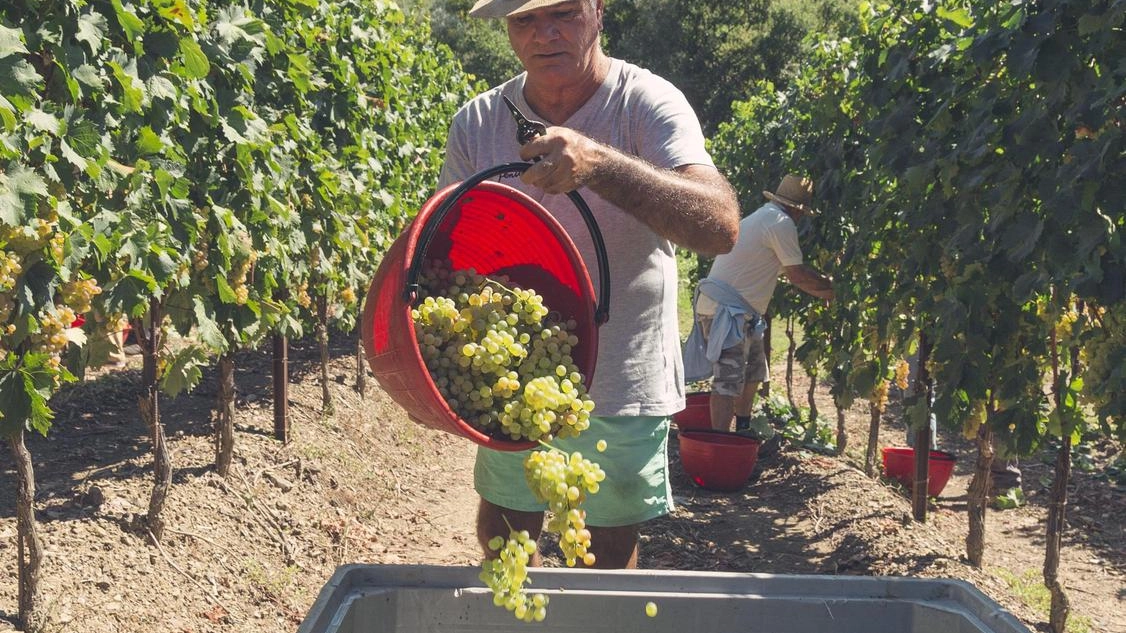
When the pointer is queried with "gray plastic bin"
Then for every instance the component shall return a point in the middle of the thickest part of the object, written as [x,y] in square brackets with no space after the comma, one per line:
[421,598]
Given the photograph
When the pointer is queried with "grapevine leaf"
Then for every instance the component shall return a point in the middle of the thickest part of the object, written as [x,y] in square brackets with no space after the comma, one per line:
[92,30]
[18,182]
[207,329]
[132,89]
[226,294]
[71,156]
[177,11]
[148,142]
[132,25]
[183,370]
[195,61]
[161,88]
[17,77]
[10,42]
[23,396]
[83,136]
[1020,237]
[961,17]
[300,72]
[43,121]
[129,295]
[14,402]
[1091,23]
[11,207]
[25,181]
[89,76]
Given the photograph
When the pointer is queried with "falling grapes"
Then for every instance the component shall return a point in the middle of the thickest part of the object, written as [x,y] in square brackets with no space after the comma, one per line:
[497,357]
[504,365]
[507,574]
[562,481]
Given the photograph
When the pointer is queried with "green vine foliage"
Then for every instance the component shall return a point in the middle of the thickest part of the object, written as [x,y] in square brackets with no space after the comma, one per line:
[969,159]
[217,159]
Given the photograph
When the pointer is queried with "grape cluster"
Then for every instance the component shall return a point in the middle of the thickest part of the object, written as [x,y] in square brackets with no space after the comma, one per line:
[243,258]
[562,481]
[507,574]
[902,370]
[497,357]
[51,337]
[879,397]
[77,293]
[10,269]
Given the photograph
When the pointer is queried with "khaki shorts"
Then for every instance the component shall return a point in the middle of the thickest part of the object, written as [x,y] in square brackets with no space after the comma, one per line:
[636,464]
[740,364]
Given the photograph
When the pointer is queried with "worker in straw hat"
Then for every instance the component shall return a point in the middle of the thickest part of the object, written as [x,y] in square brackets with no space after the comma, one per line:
[630,144]
[726,342]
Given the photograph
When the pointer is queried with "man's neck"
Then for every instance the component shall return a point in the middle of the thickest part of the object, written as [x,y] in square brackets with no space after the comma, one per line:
[556,103]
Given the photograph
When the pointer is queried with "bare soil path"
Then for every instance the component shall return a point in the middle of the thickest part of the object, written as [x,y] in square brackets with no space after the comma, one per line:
[251,552]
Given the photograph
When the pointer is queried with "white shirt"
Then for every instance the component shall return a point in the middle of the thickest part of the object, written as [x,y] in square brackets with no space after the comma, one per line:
[768,242]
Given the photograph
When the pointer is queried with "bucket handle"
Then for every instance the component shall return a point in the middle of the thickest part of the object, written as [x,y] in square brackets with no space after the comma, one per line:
[601,311]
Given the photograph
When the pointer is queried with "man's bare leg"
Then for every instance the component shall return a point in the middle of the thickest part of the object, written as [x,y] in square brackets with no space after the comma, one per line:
[746,400]
[722,409]
[614,547]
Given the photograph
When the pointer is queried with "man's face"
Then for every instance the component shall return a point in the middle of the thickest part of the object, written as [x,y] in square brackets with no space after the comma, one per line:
[557,42]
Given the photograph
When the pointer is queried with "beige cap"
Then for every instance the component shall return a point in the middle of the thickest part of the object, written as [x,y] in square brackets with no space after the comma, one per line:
[505,8]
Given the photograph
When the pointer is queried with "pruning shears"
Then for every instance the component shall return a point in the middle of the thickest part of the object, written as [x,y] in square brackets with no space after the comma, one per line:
[526,129]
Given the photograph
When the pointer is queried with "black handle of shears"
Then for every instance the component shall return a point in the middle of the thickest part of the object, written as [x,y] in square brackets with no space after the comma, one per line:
[526,129]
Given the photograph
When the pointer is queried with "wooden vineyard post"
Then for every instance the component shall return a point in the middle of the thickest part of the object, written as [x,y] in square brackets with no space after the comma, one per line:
[29,546]
[225,418]
[149,405]
[764,388]
[978,496]
[791,348]
[327,408]
[281,388]
[922,435]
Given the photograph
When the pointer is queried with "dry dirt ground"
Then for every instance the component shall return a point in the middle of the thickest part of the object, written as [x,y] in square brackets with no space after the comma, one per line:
[250,553]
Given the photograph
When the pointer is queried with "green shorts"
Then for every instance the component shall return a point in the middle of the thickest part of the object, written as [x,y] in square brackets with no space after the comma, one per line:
[636,463]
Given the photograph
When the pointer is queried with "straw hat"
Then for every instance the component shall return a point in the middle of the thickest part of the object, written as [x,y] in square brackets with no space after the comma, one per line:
[504,8]
[793,191]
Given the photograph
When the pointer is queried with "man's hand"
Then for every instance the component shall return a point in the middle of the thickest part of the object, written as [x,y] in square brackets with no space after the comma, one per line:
[567,160]
[810,280]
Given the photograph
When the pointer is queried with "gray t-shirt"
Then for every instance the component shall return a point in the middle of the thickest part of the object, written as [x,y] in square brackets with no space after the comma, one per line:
[639,369]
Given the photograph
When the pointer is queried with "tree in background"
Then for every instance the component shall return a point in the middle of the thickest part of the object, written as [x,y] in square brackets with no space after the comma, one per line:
[714,50]
[481,45]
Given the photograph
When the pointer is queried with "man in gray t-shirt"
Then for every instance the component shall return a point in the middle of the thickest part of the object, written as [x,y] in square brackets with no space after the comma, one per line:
[631,145]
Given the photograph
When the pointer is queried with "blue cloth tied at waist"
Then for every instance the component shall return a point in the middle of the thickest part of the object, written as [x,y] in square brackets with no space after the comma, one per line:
[730,323]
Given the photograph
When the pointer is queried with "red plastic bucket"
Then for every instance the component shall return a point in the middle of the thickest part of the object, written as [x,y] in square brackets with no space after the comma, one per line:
[899,464]
[718,460]
[496,230]
[697,413]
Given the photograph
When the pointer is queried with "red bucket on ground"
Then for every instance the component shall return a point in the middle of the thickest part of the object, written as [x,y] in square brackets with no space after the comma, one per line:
[697,414]
[718,460]
[899,464]
[495,230]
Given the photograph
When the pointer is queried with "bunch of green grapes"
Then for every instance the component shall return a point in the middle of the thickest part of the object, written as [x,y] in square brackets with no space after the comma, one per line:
[10,268]
[562,481]
[498,358]
[507,574]
[77,293]
[52,336]
[879,397]
[902,371]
